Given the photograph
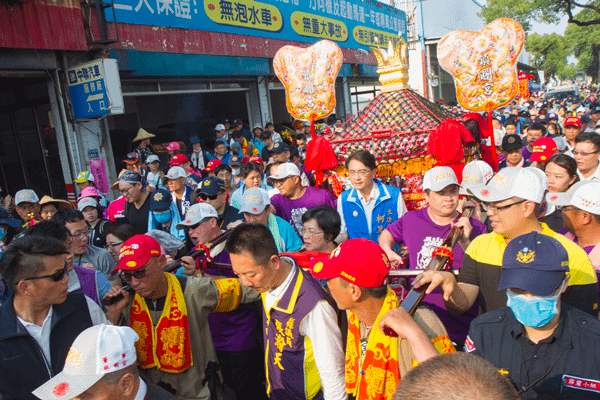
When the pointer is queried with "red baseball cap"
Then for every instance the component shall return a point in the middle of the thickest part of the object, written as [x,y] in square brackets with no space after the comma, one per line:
[136,252]
[178,159]
[572,121]
[212,165]
[358,261]
[543,149]
[256,159]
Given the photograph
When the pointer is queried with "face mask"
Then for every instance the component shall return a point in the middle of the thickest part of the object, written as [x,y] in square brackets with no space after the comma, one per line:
[2,233]
[236,172]
[533,311]
[522,119]
[162,217]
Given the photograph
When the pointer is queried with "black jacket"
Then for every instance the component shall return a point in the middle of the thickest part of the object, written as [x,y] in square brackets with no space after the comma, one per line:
[542,371]
[22,363]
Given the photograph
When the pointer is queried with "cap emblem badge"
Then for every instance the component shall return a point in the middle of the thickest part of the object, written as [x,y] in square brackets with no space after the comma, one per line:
[74,357]
[526,256]
[318,267]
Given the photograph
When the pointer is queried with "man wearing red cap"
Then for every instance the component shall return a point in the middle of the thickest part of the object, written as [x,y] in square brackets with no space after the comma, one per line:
[181,160]
[170,314]
[572,130]
[376,362]
[211,166]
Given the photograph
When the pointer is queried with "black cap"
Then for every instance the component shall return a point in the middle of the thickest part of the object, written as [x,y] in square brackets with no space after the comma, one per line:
[512,141]
[211,186]
[280,147]
[534,262]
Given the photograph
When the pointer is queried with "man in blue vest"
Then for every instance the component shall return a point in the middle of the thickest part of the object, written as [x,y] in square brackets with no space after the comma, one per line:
[370,206]
[303,345]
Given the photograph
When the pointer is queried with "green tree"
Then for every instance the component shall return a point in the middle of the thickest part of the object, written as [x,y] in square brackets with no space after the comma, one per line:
[548,53]
[585,43]
[550,11]
[568,72]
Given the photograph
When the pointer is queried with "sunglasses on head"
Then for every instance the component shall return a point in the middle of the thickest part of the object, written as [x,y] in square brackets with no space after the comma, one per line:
[57,276]
[137,274]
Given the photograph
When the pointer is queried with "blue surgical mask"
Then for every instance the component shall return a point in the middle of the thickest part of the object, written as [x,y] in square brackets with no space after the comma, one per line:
[522,119]
[532,311]
[162,217]
[2,233]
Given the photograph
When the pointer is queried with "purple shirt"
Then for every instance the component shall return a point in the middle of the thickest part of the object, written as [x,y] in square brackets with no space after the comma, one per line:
[588,250]
[233,330]
[526,153]
[421,238]
[292,210]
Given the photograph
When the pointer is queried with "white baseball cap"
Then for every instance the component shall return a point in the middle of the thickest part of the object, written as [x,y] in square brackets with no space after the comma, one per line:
[220,127]
[584,195]
[86,202]
[196,214]
[254,201]
[97,351]
[541,175]
[285,170]
[175,172]
[152,158]
[475,173]
[511,182]
[498,136]
[26,196]
[437,178]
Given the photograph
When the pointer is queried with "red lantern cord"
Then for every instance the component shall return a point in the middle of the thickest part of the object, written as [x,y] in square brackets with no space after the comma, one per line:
[205,259]
[444,252]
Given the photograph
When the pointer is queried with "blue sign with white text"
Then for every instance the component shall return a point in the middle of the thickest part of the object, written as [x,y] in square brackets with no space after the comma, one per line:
[355,24]
[88,90]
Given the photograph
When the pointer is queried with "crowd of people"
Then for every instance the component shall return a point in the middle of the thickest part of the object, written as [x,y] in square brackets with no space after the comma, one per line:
[291,298]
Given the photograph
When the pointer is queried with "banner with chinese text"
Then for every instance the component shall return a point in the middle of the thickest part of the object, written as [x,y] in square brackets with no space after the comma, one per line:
[353,24]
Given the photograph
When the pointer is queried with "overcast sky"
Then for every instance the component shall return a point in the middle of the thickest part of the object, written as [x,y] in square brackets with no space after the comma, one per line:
[547,28]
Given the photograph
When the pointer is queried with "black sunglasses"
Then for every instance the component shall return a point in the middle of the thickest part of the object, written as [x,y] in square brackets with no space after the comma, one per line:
[205,196]
[137,274]
[57,276]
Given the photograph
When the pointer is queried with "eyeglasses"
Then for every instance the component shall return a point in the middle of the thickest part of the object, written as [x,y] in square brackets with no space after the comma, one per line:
[81,235]
[361,172]
[306,232]
[137,274]
[125,192]
[110,246]
[205,196]
[583,153]
[497,209]
[57,276]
